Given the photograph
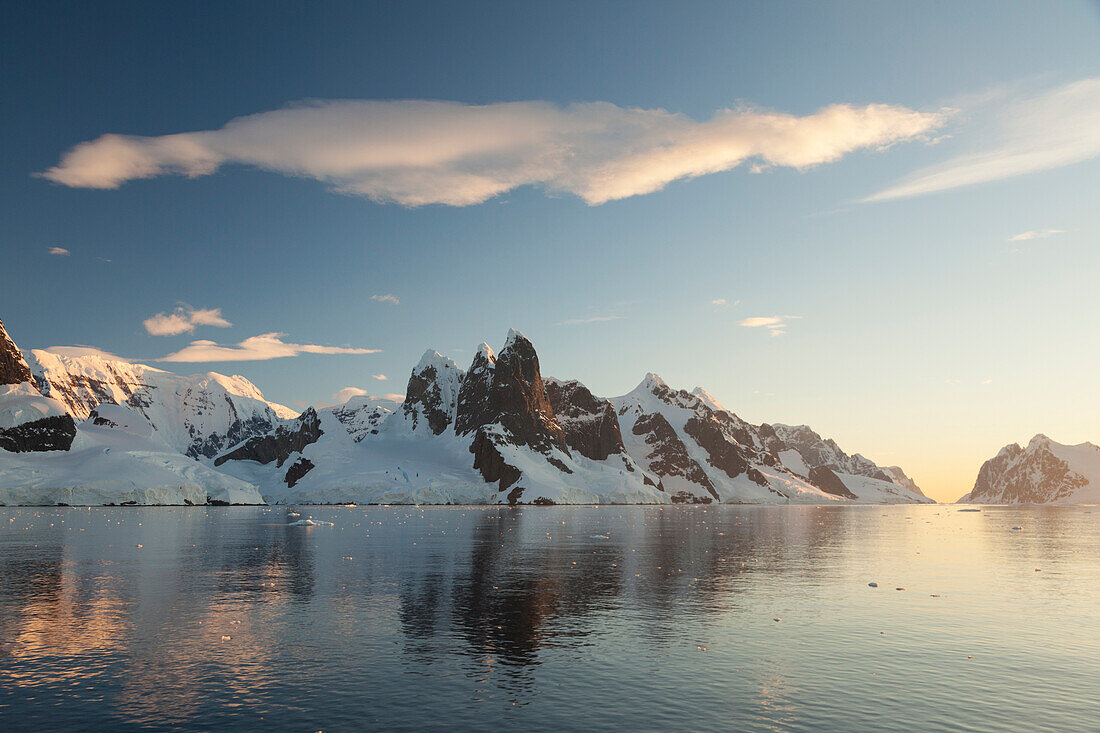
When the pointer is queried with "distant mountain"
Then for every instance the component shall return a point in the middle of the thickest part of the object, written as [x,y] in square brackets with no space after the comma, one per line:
[1045,472]
[198,415]
[498,432]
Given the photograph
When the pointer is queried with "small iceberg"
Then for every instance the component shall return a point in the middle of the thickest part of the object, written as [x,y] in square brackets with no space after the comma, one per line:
[309,523]
[598,537]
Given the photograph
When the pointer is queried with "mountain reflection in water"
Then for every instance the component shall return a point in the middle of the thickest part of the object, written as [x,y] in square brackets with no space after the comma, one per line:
[550,618]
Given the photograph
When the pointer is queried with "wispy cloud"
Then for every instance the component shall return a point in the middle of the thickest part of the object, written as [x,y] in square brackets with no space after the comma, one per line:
[380,377]
[1054,128]
[590,319]
[60,251]
[722,302]
[257,348]
[1036,234]
[387,298]
[184,320]
[347,393]
[776,325]
[416,152]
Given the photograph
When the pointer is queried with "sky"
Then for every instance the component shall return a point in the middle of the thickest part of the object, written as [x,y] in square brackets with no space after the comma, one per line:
[879,219]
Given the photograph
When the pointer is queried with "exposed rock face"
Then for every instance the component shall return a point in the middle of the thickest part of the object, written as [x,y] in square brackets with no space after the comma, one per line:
[668,458]
[1043,472]
[589,424]
[299,469]
[509,392]
[825,479]
[432,393]
[473,409]
[280,444]
[722,453]
[489,461]
[50,433]
[13,367]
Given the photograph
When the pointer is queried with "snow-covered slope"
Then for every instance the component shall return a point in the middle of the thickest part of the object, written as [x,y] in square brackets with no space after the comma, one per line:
[198,415]
[1045,472]
[363,415]
[116,459]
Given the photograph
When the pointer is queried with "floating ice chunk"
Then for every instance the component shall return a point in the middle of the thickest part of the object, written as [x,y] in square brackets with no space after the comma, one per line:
[309,523]
[598,537]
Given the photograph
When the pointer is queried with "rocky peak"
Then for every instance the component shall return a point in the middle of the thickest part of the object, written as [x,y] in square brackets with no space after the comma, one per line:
[509,391]
[433,392]
[13,367]
[589,424]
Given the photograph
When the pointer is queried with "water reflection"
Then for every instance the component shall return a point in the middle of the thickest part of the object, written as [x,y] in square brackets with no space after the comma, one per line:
[231,617]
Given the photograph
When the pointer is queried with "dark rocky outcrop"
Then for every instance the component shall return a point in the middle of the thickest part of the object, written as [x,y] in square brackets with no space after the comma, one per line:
[509,391]
[300,468]
[279,444]
[825,479]
[668,457]
[589,424]
[13,367]
[490,462]
[473,409]
[50,433]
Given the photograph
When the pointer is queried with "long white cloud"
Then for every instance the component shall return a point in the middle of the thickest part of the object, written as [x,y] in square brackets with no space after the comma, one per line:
[416,152]
[1055,128]
[257,348]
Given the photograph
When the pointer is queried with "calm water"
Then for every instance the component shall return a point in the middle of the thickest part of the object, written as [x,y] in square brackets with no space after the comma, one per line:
[551,618]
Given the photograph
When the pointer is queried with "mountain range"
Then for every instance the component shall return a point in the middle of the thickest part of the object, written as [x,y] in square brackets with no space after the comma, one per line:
[82,428]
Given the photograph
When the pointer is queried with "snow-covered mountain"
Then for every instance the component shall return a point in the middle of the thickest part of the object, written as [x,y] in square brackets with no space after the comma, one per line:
[1045,472]
[197,415]
[498,432]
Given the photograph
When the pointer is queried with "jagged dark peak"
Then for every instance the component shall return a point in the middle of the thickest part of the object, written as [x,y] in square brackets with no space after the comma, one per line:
[13,367]
[433,392]
[509,391]
[472,410]
[589,423]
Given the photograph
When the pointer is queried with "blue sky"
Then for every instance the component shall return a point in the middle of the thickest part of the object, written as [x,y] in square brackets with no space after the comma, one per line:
[917,330]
